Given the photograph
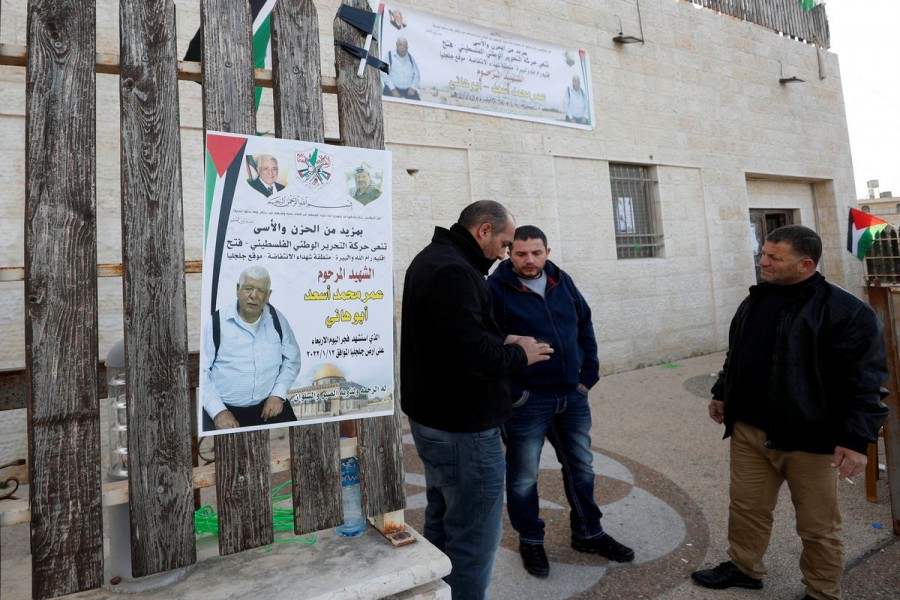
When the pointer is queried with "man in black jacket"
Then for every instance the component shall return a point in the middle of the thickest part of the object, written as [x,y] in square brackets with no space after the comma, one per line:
[454,365]
[800,396]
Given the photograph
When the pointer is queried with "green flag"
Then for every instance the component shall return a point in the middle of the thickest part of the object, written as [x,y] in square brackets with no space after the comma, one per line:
[862,230]
[809,4]
[262,42]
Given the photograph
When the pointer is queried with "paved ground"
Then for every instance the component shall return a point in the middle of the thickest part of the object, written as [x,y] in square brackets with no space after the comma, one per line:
[663,489]
[662,484]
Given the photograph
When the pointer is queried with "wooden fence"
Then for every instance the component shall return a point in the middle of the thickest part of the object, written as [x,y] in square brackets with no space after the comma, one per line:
[784,16]
[61,383]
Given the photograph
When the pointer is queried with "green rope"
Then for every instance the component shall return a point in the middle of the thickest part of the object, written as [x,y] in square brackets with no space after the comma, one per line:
[207,521]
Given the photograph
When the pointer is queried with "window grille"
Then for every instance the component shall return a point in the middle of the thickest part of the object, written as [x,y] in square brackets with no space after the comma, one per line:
[634,212]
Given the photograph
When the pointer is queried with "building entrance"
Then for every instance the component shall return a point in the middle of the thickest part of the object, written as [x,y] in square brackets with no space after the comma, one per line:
[763,221]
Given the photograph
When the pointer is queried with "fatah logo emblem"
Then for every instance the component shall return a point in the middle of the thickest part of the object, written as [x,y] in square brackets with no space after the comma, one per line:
[314,168]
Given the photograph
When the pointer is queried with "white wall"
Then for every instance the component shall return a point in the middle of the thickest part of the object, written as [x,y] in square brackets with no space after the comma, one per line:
[699,102]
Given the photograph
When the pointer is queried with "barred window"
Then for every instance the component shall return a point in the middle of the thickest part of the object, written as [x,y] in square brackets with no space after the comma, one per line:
[637,230]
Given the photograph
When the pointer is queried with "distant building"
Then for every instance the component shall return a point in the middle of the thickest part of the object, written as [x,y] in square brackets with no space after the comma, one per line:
[886,206]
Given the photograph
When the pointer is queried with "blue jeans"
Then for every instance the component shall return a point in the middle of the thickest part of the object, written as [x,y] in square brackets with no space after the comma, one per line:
[565,420]
[464,488]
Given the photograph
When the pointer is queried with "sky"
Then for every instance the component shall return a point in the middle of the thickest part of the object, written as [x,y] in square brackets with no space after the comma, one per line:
[865,36]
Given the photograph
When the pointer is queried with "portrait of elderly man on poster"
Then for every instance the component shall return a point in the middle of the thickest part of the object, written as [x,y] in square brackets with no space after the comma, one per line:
[262,173]
[251,359]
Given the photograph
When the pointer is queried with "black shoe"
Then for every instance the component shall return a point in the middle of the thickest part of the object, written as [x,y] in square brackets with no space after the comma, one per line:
[726,575]
[605,546]
[535,559]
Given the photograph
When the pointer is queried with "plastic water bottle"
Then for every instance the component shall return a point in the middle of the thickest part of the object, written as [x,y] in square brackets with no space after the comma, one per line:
[354,522]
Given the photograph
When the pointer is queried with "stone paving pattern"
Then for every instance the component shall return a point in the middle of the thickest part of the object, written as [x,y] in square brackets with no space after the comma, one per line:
[662,484]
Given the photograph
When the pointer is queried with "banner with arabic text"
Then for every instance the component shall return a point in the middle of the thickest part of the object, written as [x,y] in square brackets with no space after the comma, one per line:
[450,64]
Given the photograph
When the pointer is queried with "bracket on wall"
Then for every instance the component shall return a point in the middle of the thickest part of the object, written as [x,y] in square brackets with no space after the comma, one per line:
[622,38]
[792,79]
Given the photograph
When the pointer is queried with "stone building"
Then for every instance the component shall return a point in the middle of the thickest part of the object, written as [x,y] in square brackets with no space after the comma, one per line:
[703,123]
[886,206]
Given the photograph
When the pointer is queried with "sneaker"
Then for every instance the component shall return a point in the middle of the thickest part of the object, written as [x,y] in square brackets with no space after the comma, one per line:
[534,559]
[726,575]
[605,546]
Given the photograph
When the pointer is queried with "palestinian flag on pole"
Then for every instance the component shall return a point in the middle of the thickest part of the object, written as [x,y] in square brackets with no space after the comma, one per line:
[261,13]
[862,230]
[809,4]
[262,37]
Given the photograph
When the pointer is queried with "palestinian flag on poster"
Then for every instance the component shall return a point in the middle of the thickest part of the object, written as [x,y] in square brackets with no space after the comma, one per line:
[224,159]
[809,4]
[862,230]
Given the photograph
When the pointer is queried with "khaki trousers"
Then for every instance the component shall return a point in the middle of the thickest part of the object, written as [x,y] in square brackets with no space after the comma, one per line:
[757,473]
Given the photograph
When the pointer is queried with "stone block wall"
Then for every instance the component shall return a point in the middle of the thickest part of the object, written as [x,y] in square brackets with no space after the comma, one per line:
[699,103]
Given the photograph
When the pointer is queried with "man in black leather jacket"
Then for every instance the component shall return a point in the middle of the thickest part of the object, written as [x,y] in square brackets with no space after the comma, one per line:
[800,396]
[454,366]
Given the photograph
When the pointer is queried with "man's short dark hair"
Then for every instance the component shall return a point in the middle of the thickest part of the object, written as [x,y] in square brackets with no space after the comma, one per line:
[530,232]
[803,240]
[485,211]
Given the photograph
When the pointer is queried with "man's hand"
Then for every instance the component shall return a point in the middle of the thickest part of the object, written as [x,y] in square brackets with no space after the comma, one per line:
[411,93]
[395,93]
[225,420]
[583,389]
[717,411]
[274,406]
[848,462]
[535,351]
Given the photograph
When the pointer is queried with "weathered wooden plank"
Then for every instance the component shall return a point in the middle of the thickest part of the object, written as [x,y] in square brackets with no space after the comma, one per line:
[316,475]
[61,299]
[16,56]
[103,270]
[380,448]
[16,512]
[359,98]
[13,389]
[297,81]
[13,383]
[156,341]
[242,459]
[362,125]
[296,71]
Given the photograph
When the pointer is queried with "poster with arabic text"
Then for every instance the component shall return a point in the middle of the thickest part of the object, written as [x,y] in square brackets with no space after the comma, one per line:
[297,300]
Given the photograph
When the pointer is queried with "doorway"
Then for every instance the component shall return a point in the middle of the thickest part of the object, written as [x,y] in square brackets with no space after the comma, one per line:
[762,222]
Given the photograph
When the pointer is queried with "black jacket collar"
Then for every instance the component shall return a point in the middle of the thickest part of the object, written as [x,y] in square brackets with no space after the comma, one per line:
[460,237]
[805,288]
